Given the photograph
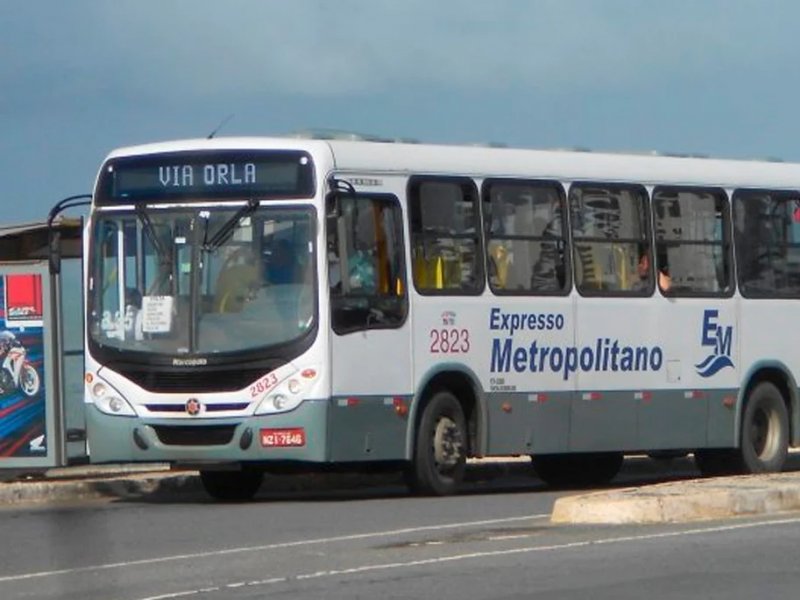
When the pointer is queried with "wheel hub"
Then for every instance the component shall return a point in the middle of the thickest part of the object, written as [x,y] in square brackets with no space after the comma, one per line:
[447,443]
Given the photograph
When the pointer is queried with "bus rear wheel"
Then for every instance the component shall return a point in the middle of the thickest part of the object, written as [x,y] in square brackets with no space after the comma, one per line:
[577,470]
[232,486]
[763,438]
[765,430]
[440,451]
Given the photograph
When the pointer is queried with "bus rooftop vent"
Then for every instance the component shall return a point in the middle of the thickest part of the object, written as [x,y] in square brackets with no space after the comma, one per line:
[338,134]
[681,154]
[489,145]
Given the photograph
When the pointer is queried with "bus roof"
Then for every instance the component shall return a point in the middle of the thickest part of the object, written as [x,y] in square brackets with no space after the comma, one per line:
[482,161]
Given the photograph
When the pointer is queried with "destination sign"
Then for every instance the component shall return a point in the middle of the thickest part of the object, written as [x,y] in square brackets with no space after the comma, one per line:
[169,177]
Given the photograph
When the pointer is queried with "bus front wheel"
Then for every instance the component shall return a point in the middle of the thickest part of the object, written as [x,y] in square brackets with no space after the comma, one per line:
[440,450]
[232,486]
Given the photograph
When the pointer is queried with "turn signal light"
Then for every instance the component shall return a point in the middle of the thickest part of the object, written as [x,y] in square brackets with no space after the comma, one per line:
[400,407]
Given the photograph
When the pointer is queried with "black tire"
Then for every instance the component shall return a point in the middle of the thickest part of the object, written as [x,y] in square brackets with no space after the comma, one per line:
[764,441]
[577,470]
[440,450]
[232,486]
[763,438]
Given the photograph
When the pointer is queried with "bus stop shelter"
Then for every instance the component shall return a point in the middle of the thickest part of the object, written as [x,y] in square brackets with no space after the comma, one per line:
[42,422]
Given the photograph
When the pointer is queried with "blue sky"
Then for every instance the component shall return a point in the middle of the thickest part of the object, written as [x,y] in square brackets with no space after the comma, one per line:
[79,78]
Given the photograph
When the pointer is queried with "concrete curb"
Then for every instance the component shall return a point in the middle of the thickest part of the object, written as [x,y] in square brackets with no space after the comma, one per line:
[684,501]
[171,485]
[124,487]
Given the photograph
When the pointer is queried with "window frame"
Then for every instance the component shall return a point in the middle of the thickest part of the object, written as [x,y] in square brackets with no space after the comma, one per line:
[392,201]
[641,190]
[726,243]
[412,196]
[738,193]
[558,187]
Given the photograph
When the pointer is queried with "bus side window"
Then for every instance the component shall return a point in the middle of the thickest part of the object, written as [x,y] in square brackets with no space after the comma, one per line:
[692,241]
[365,264]
[768,243]
[445,235]
[609,225]
[525,236]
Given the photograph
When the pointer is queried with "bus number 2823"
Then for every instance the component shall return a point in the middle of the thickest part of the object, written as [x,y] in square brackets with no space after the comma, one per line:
[449,340]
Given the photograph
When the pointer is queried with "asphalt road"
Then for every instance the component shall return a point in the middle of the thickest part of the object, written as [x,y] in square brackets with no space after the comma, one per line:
[493,541]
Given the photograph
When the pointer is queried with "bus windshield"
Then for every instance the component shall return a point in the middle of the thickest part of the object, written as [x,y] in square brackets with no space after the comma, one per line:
[201,280]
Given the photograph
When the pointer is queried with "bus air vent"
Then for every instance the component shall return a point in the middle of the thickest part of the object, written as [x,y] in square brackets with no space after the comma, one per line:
[194,435]
[194,380]
[181,408]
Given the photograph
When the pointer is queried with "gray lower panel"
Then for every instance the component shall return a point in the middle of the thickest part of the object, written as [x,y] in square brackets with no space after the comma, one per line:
[367,428]
[628,420]
[528,423]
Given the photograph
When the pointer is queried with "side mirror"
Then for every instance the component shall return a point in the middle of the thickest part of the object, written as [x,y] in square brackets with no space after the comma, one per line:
[54,236]
[338,187]
[333,208]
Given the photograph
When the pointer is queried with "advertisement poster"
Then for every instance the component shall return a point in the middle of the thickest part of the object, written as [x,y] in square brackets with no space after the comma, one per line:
[22,393]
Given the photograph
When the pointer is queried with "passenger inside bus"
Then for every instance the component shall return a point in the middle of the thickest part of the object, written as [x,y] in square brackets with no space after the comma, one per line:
[362,272]
[238,281]
[548,272]
[664,278]
[643,272]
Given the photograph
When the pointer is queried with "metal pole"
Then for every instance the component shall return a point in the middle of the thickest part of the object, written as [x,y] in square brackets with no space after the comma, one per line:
[56,326]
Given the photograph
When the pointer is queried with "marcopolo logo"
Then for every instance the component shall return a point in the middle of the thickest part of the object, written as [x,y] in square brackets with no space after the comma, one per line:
[720,339]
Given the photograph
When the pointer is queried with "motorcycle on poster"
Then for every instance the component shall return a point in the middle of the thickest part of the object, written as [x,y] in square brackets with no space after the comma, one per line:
[16,371]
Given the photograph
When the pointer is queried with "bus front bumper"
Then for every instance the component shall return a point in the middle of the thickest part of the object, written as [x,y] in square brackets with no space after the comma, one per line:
[298,435]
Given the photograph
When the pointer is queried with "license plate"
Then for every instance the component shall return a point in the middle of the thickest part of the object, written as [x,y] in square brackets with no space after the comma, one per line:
[281,438]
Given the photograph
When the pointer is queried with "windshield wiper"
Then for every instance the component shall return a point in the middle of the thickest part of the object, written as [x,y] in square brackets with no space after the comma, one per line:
[150,230]
[226,230]
[163,252]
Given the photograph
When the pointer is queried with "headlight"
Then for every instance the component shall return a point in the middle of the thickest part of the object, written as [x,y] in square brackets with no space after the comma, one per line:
[288,394]
[109,401]
[278,402]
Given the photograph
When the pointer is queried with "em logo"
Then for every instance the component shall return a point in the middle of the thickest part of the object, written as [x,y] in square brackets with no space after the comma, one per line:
[720,340]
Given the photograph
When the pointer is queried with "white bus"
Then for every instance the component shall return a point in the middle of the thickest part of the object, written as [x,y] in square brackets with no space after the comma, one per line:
[264,303]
